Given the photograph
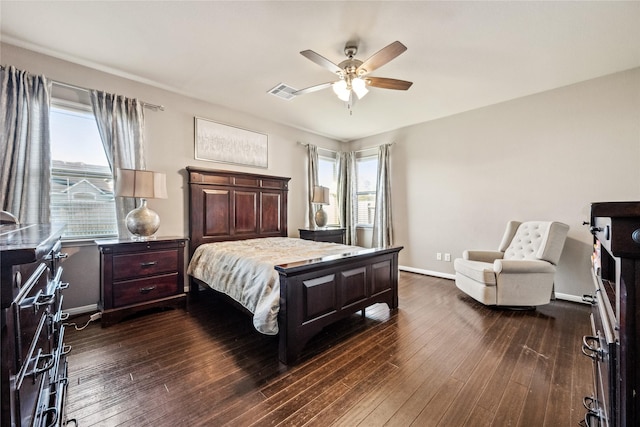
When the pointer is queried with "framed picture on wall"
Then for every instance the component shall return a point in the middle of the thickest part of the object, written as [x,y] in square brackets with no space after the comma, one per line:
[217,142]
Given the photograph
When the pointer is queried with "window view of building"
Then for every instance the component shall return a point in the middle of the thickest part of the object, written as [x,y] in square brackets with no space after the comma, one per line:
[366,173]
[81,180]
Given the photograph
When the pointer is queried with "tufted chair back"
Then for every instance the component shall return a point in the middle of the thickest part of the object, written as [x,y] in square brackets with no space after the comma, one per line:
[534,240]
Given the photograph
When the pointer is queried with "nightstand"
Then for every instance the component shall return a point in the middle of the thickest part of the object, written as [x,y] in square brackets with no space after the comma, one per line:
[138,275]
[327,234]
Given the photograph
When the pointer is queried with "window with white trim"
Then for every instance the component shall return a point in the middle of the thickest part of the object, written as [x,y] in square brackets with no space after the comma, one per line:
[366,177]
[81,179]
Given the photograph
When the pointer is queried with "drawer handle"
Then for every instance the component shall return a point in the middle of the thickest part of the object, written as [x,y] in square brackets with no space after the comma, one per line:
[148,264]
[43,363]
[589,403]
[587,348]
[44,299]
[147,289]
[53,412]
[592,416]
[66,349]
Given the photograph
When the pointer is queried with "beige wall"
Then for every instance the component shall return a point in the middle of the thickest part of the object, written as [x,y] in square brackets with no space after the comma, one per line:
[458,180]
[169,148]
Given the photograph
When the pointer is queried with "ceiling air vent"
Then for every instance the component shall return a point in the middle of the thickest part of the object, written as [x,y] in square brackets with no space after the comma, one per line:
[283,91]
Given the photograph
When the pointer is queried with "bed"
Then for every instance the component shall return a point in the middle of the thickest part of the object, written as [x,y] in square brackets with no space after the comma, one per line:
[226,206]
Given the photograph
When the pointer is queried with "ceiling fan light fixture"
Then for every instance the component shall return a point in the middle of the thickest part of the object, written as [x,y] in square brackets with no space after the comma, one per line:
[359,86]
[341,90]
[354,74]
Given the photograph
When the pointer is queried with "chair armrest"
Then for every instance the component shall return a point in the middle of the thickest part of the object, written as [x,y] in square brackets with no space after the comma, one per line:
[482,256]
[522,266]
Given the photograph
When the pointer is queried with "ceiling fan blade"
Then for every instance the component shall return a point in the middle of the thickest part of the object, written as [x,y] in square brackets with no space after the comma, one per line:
[382,56]
[321,61]
[312,88]
[386,83]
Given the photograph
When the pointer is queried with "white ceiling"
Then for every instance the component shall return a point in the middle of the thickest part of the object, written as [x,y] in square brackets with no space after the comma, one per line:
[461,55]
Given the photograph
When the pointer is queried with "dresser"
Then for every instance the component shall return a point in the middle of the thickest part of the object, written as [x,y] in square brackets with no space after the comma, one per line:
[33,377]
[614,345]
[328,234]
[140,275]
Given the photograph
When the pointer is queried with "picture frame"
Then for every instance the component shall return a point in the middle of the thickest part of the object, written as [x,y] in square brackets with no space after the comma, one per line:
[218,142]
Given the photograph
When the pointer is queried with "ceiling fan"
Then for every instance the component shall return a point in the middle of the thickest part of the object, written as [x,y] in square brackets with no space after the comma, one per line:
[354,75]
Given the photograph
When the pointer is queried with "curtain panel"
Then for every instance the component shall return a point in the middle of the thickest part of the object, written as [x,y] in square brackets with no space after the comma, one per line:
[121,126]
[25,171]
[347,195]
[312,179]
[382,223]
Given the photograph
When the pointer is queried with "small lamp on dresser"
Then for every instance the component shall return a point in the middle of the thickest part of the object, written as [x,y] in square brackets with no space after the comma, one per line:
[141,222]
[320,197]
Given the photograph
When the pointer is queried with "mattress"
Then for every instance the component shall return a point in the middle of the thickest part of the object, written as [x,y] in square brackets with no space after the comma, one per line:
[244,270]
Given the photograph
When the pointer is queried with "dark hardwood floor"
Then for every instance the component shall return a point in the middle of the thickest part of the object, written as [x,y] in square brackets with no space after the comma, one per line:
[441,359]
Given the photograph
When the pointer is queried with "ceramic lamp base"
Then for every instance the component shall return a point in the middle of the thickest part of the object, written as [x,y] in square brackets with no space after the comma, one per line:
[321,217]
[142,222]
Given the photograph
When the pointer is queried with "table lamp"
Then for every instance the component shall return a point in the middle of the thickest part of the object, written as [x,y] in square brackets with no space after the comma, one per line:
[141,222]
[320,197]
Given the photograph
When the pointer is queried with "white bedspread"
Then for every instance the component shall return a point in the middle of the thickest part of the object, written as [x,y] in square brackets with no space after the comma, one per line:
[244,270]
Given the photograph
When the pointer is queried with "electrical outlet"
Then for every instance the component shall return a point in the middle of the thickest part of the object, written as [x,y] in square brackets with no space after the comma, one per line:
[447,257]
[439,256]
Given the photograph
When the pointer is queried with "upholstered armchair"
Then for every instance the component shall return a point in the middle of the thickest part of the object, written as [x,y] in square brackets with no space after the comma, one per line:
[520,273]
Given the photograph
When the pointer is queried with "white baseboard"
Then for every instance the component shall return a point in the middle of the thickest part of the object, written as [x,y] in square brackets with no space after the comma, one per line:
[428,272]
[559,295]
[569,297]
[82,310]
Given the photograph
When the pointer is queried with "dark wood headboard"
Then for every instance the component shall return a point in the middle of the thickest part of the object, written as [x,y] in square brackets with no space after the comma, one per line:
[227,205]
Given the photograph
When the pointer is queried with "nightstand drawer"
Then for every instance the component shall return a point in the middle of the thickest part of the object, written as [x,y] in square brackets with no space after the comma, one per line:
[143,290]
[144,264]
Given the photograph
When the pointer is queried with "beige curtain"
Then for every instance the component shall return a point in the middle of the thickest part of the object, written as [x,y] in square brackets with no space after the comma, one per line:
[121,125]
[347,195]
[382,224]
[25,168]
[312,179]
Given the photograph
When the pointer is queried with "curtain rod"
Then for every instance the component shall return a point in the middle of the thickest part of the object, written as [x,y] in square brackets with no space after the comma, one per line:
[334,151]
[76,87]
[144,104]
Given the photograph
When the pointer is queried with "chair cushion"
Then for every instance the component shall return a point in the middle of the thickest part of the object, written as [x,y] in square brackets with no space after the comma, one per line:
[479,271]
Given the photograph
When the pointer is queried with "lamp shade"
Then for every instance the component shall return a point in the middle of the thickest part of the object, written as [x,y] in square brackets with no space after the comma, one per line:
[320,195]
[359,86]
[141,183]
[341,89]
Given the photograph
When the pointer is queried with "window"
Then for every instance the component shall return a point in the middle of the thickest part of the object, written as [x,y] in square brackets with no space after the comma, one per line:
[81,179]
[366,176]
[328,177]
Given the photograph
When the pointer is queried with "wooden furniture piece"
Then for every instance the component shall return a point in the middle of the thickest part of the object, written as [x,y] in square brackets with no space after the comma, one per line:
[615,319]
[328,234]
[228,205]
[139,275]
[33,377]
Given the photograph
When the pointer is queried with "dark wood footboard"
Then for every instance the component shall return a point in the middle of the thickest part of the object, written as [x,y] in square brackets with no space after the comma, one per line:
[316,293]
